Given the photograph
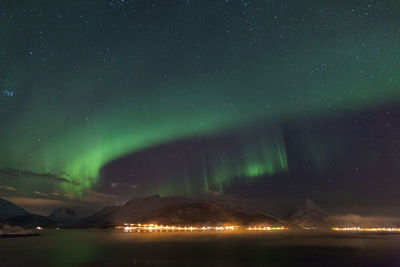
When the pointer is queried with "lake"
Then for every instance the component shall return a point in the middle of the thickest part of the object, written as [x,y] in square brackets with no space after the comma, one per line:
[111,248]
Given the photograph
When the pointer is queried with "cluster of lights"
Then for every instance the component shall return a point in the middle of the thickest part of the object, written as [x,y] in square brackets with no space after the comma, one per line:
[362,229]
[266,228]
[155,227]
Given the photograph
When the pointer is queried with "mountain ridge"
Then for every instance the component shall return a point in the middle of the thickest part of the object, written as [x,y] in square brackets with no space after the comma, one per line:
[9,210]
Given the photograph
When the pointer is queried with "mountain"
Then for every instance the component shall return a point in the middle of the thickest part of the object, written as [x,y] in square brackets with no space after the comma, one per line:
[205,213]
[9,210]
[131,211]
[176,210]
[63,215]
[310,215]
[99,219]
[13,215]
[32,221]
[137,208]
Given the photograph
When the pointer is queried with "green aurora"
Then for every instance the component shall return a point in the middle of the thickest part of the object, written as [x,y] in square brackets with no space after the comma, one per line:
[93,82]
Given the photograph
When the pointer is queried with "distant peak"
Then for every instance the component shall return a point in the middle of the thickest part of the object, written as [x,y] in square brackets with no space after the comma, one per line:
[62,213]
[312,206]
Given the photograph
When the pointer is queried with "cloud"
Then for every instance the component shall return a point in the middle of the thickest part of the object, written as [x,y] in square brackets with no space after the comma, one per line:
[115,185]
[213,193]
[9,188]
[69,195]
[96,197]
[119,203]
[15,173]
[41,193]
[98,194]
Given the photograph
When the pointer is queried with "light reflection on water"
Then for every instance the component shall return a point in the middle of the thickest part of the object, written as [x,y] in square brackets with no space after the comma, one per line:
[106,247]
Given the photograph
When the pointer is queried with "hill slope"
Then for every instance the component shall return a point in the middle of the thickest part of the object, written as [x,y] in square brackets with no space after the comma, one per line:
[32,221]
[176,210]
[205,213]
[310,215]
[10,210]
[64,215]
[130,212]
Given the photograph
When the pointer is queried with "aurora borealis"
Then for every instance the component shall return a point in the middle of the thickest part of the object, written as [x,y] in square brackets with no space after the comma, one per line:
[110,99]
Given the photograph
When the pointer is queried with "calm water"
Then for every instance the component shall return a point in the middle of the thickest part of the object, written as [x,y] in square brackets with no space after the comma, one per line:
[109,248]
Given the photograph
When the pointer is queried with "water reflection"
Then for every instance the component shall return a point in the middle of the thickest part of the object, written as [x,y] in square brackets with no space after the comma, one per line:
[111,248]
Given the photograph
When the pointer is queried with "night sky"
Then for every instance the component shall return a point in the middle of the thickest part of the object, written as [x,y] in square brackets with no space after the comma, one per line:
[267,100]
